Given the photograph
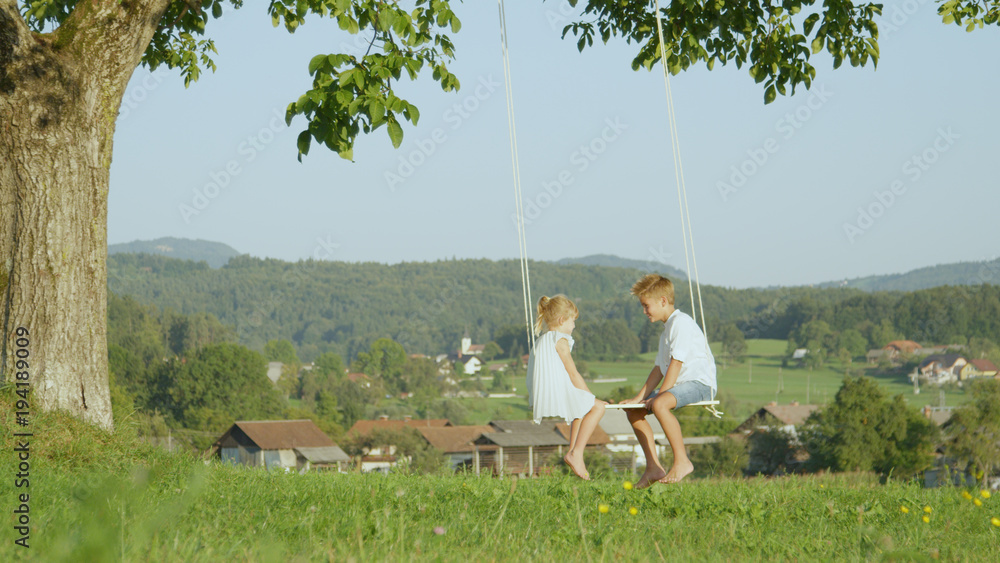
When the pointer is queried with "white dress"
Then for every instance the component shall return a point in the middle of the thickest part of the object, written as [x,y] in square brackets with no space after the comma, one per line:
[550,390]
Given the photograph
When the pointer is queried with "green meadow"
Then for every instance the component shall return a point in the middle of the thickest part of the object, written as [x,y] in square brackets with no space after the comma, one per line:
[108,497]
[743,387]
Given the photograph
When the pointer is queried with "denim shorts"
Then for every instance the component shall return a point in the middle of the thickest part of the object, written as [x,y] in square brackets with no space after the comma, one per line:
[688,392]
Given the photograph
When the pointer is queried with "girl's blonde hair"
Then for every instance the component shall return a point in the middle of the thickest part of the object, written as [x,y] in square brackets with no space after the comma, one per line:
[553,311]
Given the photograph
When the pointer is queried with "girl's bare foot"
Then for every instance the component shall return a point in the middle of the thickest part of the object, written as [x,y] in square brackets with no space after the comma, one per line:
[650,476]
[678,471]
[577,466]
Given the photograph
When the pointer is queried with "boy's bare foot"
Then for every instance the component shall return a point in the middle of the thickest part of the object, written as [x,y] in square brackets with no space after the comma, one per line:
[678,471]
[577,466]
[650,476]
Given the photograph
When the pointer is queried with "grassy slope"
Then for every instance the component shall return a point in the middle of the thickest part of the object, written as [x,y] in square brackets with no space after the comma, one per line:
[106,497]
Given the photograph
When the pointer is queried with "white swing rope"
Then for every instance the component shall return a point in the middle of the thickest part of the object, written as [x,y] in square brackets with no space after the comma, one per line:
[529,317]
[682,201]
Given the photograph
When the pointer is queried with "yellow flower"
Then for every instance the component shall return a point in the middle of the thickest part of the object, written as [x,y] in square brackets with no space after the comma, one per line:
[966,495]
[927,509]
[977,502]
[627,485]
[633,511]
[603,508]
[904,510]
[926,519]
[822,486]
[995,521]
[984,493]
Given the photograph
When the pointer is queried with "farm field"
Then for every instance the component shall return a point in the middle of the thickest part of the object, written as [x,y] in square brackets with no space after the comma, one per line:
[743,387]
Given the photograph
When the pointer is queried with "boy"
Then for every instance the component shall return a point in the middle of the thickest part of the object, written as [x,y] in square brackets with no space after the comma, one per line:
[685,364]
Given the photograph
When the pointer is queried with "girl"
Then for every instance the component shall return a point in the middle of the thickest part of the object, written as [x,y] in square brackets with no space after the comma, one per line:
[555,387]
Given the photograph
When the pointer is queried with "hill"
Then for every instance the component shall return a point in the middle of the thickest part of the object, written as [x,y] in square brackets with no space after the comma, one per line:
[426,306]
[216,254]
[959,273]
[612,261]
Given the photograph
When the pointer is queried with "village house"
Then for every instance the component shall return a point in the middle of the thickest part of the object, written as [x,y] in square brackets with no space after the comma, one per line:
[521,447]
[383,458]
[786,422]
[977,368]
[941,368]
[455,442]
[772,416]
[279,444]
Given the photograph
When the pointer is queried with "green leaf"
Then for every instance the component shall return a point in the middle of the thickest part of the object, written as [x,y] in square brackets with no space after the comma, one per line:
[316,63]
[347,154]
[303,142]
[817,45]
[769,94]
[395,133]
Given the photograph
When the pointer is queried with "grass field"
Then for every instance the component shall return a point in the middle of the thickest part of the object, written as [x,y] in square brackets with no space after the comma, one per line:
[95,496]
[168,508]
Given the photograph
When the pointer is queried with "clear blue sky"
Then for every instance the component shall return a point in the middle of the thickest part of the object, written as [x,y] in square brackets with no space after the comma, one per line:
[844,145]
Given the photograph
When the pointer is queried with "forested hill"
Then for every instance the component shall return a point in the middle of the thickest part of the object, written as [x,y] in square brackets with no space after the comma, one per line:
[613,261]
[342,307]
[216,254]
[960,273]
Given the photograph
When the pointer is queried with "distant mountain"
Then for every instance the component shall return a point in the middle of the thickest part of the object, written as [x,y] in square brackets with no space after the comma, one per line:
[612,261]
[959,273]
[216,254]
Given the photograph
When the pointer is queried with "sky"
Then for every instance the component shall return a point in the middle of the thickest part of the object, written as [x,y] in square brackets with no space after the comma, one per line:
[868,172]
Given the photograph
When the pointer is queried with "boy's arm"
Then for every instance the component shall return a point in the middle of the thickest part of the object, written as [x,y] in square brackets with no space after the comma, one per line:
[562,348]
[673,372]
[654,378]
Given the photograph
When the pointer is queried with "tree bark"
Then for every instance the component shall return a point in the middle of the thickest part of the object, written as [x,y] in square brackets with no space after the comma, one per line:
[59,98]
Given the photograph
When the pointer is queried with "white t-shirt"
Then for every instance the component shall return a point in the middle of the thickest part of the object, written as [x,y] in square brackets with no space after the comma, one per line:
[683,340]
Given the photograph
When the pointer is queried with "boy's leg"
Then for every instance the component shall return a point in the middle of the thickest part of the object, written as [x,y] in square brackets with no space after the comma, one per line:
[586,426]
[644,434]
[682,466]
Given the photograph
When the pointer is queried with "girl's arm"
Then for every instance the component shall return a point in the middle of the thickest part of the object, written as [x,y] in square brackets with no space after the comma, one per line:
[562,348]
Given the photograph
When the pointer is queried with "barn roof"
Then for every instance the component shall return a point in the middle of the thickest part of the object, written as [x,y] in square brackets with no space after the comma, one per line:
[450,439]
[282,434]
[515,439]
[327,454]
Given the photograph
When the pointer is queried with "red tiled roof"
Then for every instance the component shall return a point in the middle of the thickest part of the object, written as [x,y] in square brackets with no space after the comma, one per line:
[598,438]
[453,438]
[907,346]
[283,434]
[355,377]
[983,365]
[791,414]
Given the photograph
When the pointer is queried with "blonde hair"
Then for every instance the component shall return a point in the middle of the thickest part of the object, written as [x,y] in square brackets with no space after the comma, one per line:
[554,311]
[654,286]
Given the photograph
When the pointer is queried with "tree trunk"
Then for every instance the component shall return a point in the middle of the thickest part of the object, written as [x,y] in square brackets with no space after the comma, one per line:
[59,99]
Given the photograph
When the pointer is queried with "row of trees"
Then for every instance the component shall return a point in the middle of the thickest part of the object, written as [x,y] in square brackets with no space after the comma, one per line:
[344,308]
[865,430]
